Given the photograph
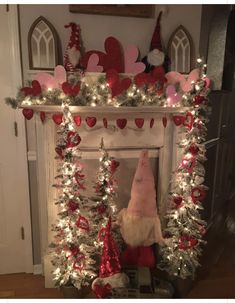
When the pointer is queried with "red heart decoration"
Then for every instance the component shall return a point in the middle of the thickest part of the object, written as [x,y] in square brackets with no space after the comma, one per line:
[83,223]
[178,201]
[73,139]
[79,263]
[164,121]
[116,85]
[105,122]
[141,79]
[151,123]
[59,152]
[198,194]
[102,291]
[57,118]
[121,123]
[188,121]
[35,90]
[186,242]
[91,121]
[112,59]
[139,122]
[197,100]
[28,113]
[114,165]
[72,205]
[189,164]
[77,120]
[42,116]
[70,90]
[178,120]
[193,149]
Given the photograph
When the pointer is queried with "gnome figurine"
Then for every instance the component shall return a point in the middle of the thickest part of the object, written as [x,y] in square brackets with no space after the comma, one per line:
[73,51]
[139,222]
[110,275]
[156,56]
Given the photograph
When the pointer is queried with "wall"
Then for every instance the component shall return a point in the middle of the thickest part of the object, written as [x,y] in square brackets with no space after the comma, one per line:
[94,30]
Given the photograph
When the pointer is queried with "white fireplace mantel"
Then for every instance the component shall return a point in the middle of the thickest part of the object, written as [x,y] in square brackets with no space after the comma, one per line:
[161,142]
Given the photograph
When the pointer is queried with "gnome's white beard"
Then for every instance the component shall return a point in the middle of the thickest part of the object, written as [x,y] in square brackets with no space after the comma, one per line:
[156,57]
[116,280]
[140,231]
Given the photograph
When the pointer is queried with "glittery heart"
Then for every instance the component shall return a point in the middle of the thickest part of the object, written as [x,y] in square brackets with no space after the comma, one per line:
[35,90]
[72,205]
[42,116]
[198,194]
[151,123]
[83,223]
[188,121]
[28,113]
[105,122]
[172,97]
[77,120]
[57,118]
[164,121]
[139,122]
[121,123]
[178,201]
[91,121]
[70,90]
[73,139]
[178,120]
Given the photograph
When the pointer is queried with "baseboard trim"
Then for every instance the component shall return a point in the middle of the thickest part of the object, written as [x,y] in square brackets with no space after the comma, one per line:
[37,269]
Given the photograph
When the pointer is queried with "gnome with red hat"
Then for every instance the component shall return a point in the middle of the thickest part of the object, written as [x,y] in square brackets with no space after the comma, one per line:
[156,56]
[139,223]
[110,275]
[73,51]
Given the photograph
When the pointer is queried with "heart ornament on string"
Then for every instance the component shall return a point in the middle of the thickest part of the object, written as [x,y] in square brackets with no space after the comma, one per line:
[121,123]
[57,118]
[91,121]
[139,122]
[28,113]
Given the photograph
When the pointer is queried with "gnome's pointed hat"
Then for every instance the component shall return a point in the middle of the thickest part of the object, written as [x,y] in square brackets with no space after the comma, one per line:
[74,39]
[110,260]
[156,38]
[143,192]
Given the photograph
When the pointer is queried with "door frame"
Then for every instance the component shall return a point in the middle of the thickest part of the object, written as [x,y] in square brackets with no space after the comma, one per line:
[22,166]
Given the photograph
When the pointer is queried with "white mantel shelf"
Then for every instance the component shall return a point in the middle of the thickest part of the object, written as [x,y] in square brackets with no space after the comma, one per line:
[108,109]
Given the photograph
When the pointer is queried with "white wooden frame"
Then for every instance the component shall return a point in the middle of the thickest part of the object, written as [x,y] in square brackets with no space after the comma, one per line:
[22,168]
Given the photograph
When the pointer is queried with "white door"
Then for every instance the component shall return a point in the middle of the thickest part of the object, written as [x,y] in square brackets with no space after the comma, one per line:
[15,226]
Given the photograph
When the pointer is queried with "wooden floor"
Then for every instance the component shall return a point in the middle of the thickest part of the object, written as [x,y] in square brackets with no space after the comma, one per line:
[218,283]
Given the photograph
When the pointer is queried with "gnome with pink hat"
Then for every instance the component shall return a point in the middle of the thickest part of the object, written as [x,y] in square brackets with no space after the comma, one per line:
[139,222]
[110,275]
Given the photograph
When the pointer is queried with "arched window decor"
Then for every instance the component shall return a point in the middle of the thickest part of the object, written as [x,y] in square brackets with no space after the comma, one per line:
[43,45]
[180,50]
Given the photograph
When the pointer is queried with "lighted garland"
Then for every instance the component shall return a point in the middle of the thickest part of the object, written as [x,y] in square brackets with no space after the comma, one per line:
[185,228]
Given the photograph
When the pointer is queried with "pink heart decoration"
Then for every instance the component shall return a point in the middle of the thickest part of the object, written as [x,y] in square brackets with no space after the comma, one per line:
[77,120]
[47,81]
[189,164]
[151,123]
[57,118]
[28,113]
[185,83]
[172,96]
[139,122]
[131,54]
[91,121]
[42,116]
[92,64]
[121,123]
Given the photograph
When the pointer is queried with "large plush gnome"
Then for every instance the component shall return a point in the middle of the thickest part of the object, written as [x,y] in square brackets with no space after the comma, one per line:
[156,56]
[110,275]
[139,222]
[73,51]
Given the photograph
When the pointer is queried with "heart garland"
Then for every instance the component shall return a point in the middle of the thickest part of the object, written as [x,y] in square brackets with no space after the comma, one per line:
[77,120]
[57,118]
[139,122]
[164,121]
[121,123]
[28,113]
[91,121]
[42,116]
